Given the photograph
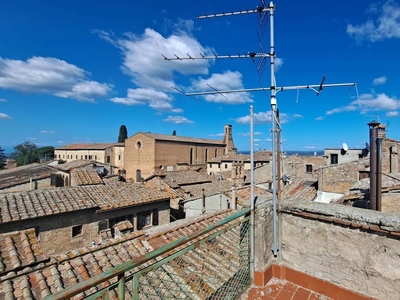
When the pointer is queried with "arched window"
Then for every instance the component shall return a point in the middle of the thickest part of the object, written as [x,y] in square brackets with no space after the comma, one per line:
[191,157]
[216,152]
[206,156]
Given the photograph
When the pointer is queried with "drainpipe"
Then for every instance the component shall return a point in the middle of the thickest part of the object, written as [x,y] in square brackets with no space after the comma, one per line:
[379,174]
[203,199]
[373,135]
[234,204]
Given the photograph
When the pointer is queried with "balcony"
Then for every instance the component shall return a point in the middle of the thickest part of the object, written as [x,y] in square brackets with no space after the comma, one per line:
[326,251]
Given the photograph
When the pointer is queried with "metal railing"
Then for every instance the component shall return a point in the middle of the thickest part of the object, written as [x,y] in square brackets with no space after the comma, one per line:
[213,263]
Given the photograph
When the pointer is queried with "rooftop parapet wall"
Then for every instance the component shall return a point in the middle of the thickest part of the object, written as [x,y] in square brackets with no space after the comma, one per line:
[355,248]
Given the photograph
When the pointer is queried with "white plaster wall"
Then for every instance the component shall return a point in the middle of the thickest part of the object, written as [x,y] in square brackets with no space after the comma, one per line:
[194,208]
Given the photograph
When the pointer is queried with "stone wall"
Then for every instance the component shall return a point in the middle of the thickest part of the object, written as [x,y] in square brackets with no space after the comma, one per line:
[390,159]
[340,178]
[355,248]
[37,184]
[263,239]
[55,231]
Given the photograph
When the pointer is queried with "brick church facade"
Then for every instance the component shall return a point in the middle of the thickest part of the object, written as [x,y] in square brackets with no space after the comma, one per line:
[148,153]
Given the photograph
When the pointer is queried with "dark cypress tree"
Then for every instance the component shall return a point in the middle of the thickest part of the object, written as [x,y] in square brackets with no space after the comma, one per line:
[123,134]
[174,132]
[2,159]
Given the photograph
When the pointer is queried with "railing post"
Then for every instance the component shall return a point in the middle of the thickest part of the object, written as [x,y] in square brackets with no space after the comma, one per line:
[121,286]
[135,287]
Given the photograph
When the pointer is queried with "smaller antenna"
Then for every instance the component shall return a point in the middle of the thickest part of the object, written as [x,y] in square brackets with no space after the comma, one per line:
[321,85]
[183,93]
[218,91]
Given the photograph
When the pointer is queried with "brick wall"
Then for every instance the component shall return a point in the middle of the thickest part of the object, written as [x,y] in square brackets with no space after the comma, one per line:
[154,156]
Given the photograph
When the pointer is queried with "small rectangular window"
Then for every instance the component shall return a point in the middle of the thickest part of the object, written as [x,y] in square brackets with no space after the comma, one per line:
[108,159]
[77,230]
[95,157]
[119,157]
[85,156]
[155,217]
[334,159]
[81,156]
[226,166]
[76,156]
[90,156]
[308,168]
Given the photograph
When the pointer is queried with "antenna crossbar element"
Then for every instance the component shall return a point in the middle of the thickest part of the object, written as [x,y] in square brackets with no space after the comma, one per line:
[251,55]
[232,13]
[278,89]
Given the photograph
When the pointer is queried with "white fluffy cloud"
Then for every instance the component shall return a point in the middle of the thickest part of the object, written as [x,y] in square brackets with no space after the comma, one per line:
[392,114]
[143,57]
[369,102]
[178,120]
[157,100]
[379,81]
[47,132]
[5,117]
[153,75]
[51,76]
[3,100]
[220,82]
[386,26]
[262,117]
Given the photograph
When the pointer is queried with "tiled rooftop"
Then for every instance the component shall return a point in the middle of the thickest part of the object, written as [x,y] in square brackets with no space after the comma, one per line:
[166,137]
[19,250]
[79,163]
[81,264]
[299,189]
[23,174]
[85,176]
[178,178]
[90,146]
[32,204]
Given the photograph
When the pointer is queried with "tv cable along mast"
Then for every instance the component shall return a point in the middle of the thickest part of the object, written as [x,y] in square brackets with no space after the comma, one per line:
[264,11]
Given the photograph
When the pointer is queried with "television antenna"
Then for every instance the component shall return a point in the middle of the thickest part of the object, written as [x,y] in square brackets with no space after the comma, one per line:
[263,12]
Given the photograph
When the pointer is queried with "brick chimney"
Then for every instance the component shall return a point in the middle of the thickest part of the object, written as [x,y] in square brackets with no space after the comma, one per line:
[228,140]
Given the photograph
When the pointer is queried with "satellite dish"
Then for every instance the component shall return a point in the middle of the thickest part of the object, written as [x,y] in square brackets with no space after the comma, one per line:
[367,146]
[345,147]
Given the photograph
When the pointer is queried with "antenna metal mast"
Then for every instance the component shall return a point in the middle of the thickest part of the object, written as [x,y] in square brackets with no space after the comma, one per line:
[263,11]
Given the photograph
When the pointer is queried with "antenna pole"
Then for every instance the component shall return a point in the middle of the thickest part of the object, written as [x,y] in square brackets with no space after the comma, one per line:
[272,54]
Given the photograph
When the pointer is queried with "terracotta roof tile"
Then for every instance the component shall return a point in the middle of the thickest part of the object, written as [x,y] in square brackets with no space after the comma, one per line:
[166,137]
[33,204]
[90,146]
[79,163]
[85,176]
[23,174]
[75,266]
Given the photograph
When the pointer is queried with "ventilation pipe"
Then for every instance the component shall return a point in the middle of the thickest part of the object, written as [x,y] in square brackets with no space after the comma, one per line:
[373,135]
[379,174]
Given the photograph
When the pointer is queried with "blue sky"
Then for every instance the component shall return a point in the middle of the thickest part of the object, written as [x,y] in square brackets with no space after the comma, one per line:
[74,71]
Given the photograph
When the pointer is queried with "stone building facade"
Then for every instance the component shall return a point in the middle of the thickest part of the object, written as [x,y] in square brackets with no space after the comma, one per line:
[72,217]
[106,153]
[148,153]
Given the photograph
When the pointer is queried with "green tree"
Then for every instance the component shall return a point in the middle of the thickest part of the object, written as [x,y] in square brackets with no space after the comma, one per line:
[25,153]
[45,153]
[2,159]
[123,134]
